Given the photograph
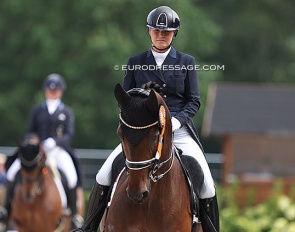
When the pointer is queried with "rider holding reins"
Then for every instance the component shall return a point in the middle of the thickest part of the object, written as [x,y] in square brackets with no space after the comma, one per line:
[181,93]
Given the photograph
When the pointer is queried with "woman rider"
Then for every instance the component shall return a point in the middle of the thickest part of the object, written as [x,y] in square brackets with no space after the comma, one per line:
[174,72]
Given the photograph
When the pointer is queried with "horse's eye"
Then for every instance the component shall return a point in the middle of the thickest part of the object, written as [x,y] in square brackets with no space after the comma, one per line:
[154,138]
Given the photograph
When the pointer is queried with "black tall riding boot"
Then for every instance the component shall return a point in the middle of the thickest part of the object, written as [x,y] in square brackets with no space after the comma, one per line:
[96,205]
[77,220]
[209,214]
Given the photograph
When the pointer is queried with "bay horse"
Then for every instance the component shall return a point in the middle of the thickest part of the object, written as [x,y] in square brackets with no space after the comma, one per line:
[36,205]
[151,194]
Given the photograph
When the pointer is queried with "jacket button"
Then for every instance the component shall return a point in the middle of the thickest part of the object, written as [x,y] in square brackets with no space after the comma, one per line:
[164,85]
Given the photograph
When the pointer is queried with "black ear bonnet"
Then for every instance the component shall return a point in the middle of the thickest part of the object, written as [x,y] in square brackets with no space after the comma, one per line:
[29,154]
[137,117]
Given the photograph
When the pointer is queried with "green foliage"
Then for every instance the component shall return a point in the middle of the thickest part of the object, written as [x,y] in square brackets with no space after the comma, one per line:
[257,43]
[276,214]
[84,40]
[272,216]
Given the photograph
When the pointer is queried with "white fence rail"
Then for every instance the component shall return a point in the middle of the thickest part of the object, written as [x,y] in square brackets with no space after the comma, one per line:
[92,160]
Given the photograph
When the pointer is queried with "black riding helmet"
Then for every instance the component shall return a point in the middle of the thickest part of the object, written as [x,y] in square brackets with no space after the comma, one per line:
[164,18]
[54,81]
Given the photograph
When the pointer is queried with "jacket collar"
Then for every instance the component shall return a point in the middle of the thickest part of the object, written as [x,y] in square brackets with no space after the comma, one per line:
[61,105]
[171,59]
[172,53]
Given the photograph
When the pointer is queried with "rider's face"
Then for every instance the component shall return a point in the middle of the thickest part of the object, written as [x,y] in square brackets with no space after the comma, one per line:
[161,38]
[53,94]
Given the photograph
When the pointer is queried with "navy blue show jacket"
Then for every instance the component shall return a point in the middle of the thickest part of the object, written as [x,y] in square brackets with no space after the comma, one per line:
[177,77]
[59,125]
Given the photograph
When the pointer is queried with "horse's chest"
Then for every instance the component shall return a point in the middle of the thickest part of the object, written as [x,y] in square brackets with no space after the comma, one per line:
[139,218]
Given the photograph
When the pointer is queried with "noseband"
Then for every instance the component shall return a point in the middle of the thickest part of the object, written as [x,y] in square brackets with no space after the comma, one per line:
[135,166]
[155,161]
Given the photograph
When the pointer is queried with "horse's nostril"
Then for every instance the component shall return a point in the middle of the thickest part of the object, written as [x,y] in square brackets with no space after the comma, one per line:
[145,194]
[137,197]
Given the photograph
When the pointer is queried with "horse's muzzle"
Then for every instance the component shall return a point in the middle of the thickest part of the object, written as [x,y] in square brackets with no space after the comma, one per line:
[138,197]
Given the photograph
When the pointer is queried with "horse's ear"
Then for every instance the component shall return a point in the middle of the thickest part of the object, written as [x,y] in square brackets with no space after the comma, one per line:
[122,97]
[152,102]
[19,145]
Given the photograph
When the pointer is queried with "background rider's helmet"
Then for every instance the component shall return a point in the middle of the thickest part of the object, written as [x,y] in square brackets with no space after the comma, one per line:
[163,18]
[54,81]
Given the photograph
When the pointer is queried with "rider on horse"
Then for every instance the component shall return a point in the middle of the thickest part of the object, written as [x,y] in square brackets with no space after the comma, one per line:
[180,89]
[53,122]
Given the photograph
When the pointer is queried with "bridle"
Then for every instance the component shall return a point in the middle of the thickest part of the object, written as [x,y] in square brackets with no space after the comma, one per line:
[138,165]
[155,161]
[36,181]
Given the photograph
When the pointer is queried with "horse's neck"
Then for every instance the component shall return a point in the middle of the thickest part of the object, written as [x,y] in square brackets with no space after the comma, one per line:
[167,144]
[169,167]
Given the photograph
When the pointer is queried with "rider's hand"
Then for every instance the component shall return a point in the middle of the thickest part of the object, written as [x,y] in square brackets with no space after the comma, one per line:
[175,124]
[49,144]
[153,85]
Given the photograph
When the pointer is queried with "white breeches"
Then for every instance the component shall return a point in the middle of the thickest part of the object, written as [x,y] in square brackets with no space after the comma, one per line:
[183,141]
[63,162]
[62,193]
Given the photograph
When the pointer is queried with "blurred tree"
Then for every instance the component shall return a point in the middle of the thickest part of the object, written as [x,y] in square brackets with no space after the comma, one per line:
[258,41]
[84,40]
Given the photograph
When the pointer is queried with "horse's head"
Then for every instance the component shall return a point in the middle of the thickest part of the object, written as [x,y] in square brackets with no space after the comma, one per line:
[145,131]
[30,152]
[32,161]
